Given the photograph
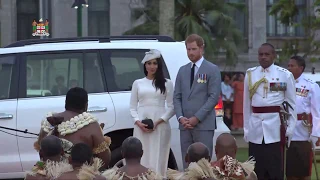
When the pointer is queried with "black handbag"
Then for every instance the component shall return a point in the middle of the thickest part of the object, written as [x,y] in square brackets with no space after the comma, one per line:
[148,122]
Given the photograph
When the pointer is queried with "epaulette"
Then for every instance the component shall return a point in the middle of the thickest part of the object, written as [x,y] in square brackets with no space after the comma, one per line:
[283,70]
[309,80]
[251,69]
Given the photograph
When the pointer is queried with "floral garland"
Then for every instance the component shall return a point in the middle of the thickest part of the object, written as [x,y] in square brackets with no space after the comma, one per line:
[68,127]
[45,125]
[76,123]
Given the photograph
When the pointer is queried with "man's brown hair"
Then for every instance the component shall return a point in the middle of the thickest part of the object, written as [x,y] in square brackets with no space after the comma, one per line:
[195,38]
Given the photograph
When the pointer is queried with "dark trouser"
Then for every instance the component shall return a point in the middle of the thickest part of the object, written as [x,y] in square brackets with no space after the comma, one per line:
[269,161]
[299,159]
[188,137]
[226,120]
[228,105]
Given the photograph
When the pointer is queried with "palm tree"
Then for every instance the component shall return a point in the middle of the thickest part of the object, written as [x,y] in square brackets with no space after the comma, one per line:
[151,24]
[209,18]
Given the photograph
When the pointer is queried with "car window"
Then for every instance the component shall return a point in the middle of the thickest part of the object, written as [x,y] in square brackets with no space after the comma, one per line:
[54,74]
[6,74]
[125,68]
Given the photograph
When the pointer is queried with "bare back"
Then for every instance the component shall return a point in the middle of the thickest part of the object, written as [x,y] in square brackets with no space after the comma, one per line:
[90,134]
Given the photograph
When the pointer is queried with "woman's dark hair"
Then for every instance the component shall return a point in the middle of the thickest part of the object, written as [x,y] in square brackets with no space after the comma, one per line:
[238,76]
[159,80]
[226,75]
[76,99]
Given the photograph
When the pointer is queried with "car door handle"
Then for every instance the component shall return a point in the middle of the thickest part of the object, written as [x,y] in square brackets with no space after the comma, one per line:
[97,109]
[6,116]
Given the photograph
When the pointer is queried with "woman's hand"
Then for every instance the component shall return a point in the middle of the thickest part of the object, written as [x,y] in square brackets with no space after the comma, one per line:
[157,123]
[143,127]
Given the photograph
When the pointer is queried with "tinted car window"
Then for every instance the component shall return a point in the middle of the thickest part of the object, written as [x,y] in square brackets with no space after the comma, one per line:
[124,67]
[6,74]
[54,74]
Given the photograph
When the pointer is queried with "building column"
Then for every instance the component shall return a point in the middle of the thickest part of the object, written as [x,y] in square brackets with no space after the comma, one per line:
[8,22]
[257,28]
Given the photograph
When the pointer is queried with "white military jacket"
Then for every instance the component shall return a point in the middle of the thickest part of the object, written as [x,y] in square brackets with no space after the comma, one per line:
[267,125]
[308,101]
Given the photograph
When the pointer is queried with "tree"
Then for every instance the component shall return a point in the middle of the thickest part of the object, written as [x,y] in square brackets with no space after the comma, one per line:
[209,18]
[151,24]
[287,10]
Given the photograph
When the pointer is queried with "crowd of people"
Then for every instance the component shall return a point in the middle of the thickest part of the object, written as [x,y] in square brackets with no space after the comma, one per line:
[268,100]
[232,97]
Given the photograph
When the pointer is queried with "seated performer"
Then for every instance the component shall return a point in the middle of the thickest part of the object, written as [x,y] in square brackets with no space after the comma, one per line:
[85,167]
[74,125]
[133,170]
[226,150]
[197,159]
[50,166]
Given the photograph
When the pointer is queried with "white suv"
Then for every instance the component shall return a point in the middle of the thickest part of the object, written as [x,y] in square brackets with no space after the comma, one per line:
[35,75]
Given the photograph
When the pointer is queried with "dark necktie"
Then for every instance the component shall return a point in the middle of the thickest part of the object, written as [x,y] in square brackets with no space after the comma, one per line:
[192,75]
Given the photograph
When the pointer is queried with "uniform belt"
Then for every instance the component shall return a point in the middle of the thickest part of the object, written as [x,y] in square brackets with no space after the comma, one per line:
[266,109]
[304,116]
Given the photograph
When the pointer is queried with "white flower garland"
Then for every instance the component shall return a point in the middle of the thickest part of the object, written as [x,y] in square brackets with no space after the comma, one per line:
[45,125]
[71,126]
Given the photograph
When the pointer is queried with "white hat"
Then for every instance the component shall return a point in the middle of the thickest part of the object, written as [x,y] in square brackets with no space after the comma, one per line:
[152,54]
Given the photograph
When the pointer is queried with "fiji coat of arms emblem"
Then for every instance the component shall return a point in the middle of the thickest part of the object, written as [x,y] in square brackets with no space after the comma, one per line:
[40,28]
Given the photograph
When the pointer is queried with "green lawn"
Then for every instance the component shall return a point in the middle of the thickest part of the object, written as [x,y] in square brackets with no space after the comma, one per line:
[242,155]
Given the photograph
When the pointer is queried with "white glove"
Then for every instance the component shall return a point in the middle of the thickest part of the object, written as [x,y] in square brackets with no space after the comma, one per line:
[245,138]
[313,140]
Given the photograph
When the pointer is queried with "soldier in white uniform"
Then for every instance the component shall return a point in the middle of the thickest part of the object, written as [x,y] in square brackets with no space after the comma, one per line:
[299,155]
[266,87]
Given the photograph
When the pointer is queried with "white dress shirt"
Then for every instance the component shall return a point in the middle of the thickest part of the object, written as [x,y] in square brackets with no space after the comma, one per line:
[259,126]
[198,64]
[226,90]
[307,101]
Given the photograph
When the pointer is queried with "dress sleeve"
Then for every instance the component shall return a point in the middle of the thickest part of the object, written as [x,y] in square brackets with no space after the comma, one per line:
[246,105]
[134,101]
[169,99]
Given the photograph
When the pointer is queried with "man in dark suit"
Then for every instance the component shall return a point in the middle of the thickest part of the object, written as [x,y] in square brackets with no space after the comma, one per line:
[197,90]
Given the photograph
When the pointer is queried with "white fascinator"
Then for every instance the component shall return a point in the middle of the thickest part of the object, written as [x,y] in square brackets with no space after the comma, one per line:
[152,54]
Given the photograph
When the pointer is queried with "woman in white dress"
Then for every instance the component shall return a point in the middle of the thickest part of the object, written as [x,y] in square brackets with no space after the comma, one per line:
[148,98]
